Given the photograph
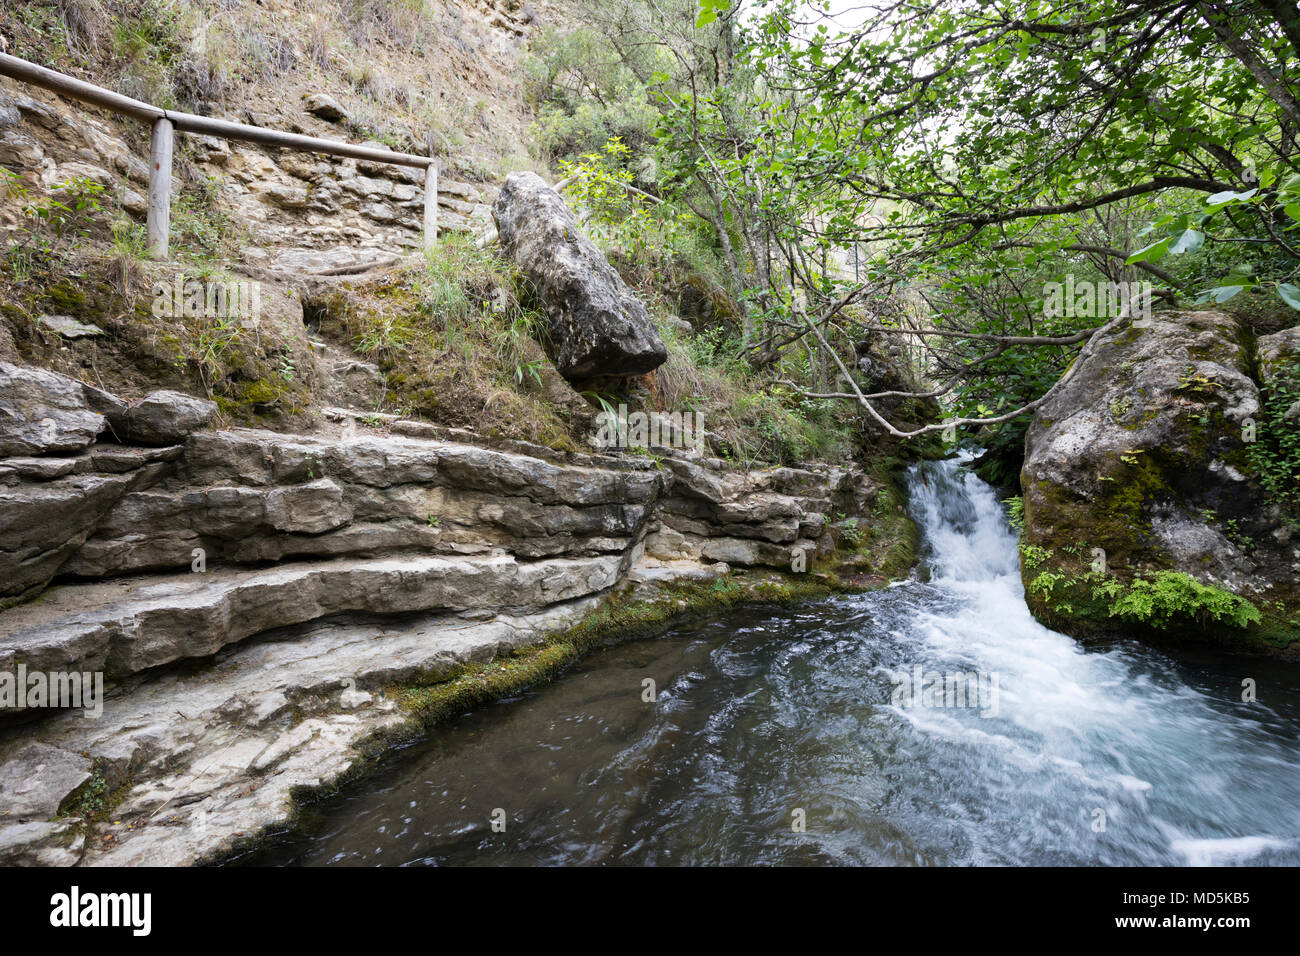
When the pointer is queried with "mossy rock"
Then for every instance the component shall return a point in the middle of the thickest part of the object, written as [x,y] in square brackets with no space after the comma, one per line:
[1153,468]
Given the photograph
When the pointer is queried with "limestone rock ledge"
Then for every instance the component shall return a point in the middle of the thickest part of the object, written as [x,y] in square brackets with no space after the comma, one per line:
[249,595]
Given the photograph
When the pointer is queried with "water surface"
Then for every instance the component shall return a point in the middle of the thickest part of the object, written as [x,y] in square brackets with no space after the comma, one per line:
[1059,754]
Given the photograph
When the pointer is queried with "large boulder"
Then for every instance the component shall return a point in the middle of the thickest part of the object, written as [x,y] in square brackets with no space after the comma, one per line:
[43,412]
[1148,506]
[599,327]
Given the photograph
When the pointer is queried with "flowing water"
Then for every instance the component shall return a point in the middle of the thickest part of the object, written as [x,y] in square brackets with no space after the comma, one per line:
[808,736]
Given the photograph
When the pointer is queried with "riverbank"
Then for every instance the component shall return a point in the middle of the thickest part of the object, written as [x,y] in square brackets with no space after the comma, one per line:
[269,611]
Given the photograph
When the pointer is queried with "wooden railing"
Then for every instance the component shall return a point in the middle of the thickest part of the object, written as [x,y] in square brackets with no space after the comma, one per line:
[164,123]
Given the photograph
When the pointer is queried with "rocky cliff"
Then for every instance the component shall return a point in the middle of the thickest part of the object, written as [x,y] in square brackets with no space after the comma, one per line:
[1160,487]
[262,605]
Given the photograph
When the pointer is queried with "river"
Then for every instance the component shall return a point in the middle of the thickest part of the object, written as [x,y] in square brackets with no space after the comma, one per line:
[807,736]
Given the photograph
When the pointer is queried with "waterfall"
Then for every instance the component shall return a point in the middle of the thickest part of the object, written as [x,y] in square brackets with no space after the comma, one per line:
[1034,749]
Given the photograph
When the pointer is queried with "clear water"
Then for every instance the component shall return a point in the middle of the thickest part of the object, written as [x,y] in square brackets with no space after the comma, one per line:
[1063,754]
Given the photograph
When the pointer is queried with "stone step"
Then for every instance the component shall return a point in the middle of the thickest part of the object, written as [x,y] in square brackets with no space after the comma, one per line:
[125,626]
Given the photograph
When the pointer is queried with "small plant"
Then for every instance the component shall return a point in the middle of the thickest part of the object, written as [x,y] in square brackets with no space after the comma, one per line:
[52,225]
[602,399]
[528,369]
[1275,454]
[1016,513]
[1172,596]
[1045,582]
[208,345]
[387,333]
[1197,384]
[68,208]
[1032,556]
[851,531]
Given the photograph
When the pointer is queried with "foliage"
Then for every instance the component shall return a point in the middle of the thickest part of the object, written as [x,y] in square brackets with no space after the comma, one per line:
[52,225]
[1275,453]
[587,92]
[1016,513]
[1171,597]
[970,156]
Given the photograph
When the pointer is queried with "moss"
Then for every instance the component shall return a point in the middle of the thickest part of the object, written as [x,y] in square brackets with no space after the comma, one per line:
[95,800]
[66,298]
[618,619]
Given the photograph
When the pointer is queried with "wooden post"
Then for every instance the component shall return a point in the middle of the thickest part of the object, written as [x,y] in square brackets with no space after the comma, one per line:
[431,207]
[160,188]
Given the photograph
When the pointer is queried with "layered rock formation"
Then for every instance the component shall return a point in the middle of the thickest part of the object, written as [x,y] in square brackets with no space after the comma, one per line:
[248,596]
[598,326]
[312,215]
[1152,459]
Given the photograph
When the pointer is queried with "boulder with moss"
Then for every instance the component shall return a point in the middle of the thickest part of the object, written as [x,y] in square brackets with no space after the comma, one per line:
[1160,488]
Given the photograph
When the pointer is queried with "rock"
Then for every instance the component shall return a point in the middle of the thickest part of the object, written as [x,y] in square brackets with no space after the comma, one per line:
[412,175]
[325,106]
[40,844]
[310,509]
[19,151]
[102,402]
[379,212]
[122,628]
[367,188]
[134,202]
[68,327]
[1143,456]
[341,260]
[411,556]
[462,191]
[286,197]
[42,525]
[163,418]
[66,172]
[36,779]
[598,326]
[355,384]
[210,149]
[39,113]
[1276,351]
[42,412]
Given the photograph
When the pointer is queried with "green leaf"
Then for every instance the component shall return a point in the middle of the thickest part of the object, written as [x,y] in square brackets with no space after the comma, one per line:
[1229,195]
[1149,253]
[1189,240]
[1290,294]
[1222,294]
